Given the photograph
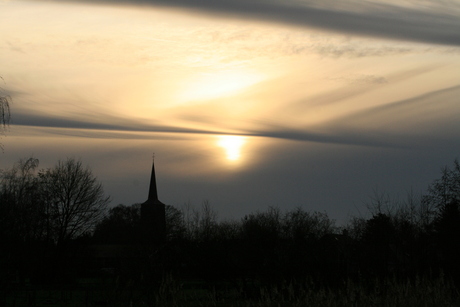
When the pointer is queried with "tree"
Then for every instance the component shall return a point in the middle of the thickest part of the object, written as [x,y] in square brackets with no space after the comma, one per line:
[121,225]
[5,101]
[175,225]
[75,199]
[300,225]
[201,224]
[378,237]
[444,200]
[21,208]
[445,190]
[22,220]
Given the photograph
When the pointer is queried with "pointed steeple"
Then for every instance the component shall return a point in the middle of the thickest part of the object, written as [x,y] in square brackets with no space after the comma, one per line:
[153,217]
[153,194]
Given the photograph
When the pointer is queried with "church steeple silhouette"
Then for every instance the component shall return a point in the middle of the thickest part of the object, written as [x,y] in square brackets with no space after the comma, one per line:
[153,217]
[153,194]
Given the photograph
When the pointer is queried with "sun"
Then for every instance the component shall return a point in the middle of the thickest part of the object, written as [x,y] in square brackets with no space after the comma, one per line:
[232,146]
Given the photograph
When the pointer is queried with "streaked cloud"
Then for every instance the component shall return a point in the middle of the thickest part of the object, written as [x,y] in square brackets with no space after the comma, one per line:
[430,114]
[431,22]
[394,125]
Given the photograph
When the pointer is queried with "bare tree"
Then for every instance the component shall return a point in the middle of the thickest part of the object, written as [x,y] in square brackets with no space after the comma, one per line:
[200,224]
[5,101]
[21,208]
[445,190]
[75,199]
[175,225]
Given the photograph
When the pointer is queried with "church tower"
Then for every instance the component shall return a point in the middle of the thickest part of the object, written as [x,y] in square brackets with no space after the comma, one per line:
[153,219]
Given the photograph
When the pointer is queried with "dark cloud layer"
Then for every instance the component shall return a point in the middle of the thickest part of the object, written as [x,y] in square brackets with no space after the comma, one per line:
[43,120]
[98,129]
[438,26]
[432,109]
[397,124]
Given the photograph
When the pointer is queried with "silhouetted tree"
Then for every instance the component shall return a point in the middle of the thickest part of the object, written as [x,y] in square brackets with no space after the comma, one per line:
[301,225]
[119,226]
[442,201]
[261,235]
[447,234]
[4,106]
[75,200]
[5,101]
[444,191]
[122,225]
[22,212]
[312,243]
[175,225]
[22,219]
[378,238]
[356,227]
[263,226]
[200,224]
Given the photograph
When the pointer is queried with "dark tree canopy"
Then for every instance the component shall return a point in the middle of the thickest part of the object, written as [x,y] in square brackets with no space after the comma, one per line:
[22,214]
[5,115]
[75,199]
[445,190]
[5,110]
[122,225]
[4,107]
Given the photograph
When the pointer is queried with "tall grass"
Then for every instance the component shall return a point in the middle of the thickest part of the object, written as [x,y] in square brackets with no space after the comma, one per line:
[172,292]
[388,292]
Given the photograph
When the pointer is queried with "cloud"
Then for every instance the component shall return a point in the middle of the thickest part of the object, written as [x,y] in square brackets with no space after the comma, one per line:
[356,50]
[136,130]
[338,137]
[49,121]
[356,85]
[14,47]
[418,121]
[435,24]
[433,115]
[422,120]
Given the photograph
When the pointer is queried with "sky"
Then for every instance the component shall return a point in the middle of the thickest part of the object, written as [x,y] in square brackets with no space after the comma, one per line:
[245,104]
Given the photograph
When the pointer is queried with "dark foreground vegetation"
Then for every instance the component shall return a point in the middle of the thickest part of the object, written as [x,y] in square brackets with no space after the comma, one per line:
[61,246]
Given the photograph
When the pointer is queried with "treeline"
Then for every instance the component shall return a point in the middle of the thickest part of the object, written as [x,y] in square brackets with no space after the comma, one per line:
[60,212]
[417,236]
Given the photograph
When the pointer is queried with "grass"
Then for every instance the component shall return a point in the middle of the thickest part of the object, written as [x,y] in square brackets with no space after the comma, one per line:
[172,292]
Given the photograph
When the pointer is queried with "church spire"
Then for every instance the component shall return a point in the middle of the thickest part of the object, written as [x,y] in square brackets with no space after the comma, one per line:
[153,215]
[153,194]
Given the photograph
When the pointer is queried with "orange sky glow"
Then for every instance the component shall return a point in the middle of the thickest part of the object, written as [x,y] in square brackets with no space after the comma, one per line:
[234,98]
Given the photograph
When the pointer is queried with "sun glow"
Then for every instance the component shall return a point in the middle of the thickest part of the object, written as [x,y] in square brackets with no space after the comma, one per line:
[219,84]
[232,146]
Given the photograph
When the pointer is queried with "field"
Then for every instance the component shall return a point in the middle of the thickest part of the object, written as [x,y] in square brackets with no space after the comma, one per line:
[174,292]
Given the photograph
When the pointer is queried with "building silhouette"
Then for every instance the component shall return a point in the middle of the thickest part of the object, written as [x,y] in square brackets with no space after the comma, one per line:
[153,219]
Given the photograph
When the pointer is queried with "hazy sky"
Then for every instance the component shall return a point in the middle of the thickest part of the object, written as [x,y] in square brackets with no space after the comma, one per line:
[247,104]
